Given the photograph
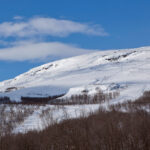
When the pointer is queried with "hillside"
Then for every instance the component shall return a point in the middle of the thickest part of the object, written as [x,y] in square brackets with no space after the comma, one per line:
[126,71]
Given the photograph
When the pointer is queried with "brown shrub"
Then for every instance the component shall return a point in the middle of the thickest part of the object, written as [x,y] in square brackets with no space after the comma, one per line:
[101,131]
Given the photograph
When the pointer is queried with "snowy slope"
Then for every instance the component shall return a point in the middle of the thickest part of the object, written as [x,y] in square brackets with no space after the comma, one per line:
[125,70]
[57,114]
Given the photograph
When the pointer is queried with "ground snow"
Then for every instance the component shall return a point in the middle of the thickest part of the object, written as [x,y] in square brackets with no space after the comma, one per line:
[126,70]
[58,113]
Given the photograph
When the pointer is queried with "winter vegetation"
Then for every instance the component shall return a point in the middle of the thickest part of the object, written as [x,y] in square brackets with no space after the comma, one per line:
[121,127]
[12,115]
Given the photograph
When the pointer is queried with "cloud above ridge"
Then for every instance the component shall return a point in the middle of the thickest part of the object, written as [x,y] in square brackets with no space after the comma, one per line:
[29,50]
[42,26]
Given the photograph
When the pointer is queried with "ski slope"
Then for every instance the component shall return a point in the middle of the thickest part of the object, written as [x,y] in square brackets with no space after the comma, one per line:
[126,71]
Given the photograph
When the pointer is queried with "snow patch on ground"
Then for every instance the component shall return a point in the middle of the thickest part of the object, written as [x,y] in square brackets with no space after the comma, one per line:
[58,113]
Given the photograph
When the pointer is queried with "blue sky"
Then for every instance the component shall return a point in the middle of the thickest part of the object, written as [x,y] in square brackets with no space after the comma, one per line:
[33,32]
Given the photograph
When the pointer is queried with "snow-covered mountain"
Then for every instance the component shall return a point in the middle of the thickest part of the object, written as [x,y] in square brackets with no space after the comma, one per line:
[125,70]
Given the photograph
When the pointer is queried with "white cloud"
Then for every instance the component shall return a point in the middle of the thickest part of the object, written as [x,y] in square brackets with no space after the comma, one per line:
[23,51]
[41,26]
[38,27]
[18,17]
